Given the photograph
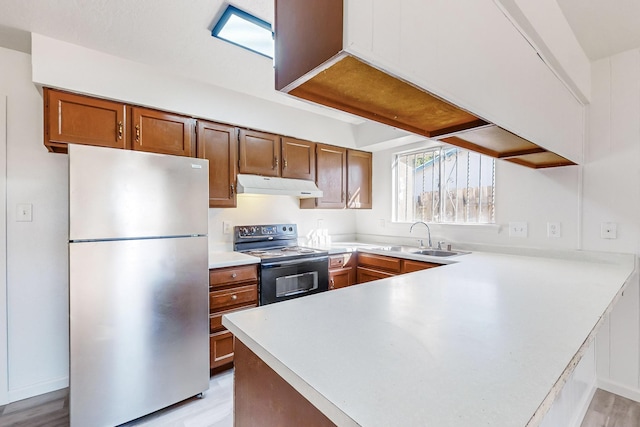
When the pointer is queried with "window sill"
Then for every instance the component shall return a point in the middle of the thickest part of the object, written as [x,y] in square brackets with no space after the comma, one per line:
[454,225]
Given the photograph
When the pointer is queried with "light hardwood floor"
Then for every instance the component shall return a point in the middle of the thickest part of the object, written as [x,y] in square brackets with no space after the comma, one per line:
[216,410]
[610,410]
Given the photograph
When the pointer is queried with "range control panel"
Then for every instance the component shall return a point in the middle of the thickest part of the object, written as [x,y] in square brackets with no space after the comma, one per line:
[271,231]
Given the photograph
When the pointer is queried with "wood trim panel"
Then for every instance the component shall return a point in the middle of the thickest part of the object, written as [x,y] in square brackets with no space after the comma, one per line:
[263,398]
[307,34]
[358,88]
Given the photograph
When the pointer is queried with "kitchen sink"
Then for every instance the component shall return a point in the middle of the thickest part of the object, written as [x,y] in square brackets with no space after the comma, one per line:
[417,251]
[435,252]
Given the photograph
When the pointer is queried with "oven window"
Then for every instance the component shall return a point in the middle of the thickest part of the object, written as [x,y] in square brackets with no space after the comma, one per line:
[296,284]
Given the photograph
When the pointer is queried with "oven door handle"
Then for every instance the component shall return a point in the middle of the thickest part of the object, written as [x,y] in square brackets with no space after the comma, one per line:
[292,262]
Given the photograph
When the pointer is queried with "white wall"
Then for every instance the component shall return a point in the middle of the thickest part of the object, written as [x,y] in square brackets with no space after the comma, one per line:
[4,377]
[260,209]
[522,194]
[36,251]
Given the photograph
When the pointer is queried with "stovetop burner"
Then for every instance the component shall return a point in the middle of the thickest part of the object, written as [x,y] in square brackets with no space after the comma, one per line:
[272,241]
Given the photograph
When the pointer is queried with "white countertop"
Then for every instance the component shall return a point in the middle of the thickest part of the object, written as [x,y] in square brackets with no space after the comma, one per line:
[230,259]
[481,342]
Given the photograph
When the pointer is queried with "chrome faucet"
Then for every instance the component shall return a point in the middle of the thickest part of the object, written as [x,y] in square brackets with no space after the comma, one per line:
[428,231]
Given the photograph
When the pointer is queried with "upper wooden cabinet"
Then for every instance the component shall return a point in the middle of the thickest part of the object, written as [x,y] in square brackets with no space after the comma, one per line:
[77,119]
[219,144]
[161,132]
[344,176]
[361,57]
[331,178]
[359,165]
[298,159]
[259,153]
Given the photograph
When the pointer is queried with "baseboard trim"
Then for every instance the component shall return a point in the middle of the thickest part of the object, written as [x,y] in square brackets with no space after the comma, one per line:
[619,389]
[38,389]
[583,407]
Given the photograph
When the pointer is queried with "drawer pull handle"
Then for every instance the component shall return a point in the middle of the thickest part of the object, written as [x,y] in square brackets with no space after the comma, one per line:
[138,133]
[234,275]
[234,297]
[120,129]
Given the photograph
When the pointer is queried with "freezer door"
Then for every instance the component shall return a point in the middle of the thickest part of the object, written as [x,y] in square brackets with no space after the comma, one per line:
[116,194]
[139,332]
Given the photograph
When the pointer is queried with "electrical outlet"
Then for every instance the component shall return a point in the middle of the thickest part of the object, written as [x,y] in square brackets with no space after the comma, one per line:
[517,229]
[554,229]
[24,212]
[609,230]
[321,223]
[226,227]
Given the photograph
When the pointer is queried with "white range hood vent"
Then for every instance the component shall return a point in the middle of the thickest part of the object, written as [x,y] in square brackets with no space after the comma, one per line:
[254,184]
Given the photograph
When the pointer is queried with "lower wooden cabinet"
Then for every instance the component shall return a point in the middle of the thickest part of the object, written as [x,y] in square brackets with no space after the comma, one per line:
[231,289]
[342,270]
[220,349]
[374,266]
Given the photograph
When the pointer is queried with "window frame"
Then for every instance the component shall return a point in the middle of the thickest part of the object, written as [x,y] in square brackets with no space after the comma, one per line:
[439,152]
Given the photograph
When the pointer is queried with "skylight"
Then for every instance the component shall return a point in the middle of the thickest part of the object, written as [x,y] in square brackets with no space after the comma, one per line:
[245,30]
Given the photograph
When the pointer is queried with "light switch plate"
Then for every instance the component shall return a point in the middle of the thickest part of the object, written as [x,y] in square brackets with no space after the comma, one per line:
[226,227]
[24,212]
[609,230]
[518,229]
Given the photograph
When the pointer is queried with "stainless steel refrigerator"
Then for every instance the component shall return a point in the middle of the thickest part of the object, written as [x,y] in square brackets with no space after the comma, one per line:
[138,283]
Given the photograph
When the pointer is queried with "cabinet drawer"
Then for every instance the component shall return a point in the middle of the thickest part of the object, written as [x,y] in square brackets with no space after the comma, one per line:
[215,319]
[228,298]
[230,275]
[380,262]
[366,275]
[409,266]
[220,349]
[339,261]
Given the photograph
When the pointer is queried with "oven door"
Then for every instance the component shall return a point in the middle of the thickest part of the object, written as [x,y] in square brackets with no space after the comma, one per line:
[280,281]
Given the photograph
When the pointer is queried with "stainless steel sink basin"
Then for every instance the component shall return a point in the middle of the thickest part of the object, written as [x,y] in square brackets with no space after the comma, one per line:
[435,252]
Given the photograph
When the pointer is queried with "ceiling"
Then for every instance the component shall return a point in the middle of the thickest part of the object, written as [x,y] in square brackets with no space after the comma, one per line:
[603,27]
[176,36]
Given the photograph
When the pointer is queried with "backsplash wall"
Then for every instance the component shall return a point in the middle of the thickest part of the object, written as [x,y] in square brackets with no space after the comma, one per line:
[262,209]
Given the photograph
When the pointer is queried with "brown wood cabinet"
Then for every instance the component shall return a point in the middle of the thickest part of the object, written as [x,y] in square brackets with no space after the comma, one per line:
[77,119]
[161,132]
[331,178]
[218,143]
[359,172]
[342,270]
[298,159]
[259,153]
[230,289]
[374,267]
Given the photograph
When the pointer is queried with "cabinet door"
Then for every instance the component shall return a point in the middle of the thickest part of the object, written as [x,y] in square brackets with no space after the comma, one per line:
[331,176]
[77,119]
[359,165]
[368,275]
[340,278]
[220,349]
[409,266]
[161,132]
[259,153]
[298,159]
[219,144]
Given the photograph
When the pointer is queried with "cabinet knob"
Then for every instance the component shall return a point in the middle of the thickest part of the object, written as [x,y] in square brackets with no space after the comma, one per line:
[234,275]
[234,297]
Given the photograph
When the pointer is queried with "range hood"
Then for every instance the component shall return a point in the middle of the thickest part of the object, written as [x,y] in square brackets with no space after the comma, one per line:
[255,184]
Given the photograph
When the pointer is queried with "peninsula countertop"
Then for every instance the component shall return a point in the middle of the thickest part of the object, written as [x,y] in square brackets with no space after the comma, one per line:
[486,341]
